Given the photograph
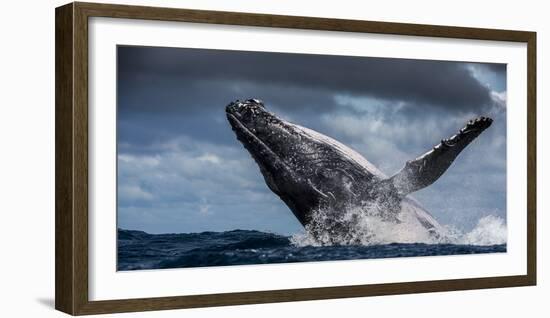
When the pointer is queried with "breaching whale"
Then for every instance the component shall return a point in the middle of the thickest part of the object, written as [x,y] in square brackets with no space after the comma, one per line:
[312,172]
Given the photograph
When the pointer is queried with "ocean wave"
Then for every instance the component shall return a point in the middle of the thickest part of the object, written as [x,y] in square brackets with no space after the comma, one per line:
[359,233]
[139,250]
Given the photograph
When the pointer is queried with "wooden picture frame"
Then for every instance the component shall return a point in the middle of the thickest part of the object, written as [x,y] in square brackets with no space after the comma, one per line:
[71,221]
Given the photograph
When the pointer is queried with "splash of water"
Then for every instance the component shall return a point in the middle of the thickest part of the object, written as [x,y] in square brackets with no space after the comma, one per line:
[368,225]
[490,230]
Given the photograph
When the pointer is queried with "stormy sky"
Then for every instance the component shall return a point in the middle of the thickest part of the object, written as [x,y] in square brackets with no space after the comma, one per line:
[181,169]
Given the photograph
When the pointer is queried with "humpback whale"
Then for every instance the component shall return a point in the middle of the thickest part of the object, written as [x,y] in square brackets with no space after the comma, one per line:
[318,177]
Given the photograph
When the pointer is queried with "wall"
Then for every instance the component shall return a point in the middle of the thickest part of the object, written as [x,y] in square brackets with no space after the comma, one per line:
[27,158]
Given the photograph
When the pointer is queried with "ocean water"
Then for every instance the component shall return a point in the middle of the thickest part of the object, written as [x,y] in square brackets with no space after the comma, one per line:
[140,250]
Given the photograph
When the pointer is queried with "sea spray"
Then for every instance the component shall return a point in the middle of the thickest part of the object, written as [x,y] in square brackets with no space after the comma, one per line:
[490,230]
[367,226]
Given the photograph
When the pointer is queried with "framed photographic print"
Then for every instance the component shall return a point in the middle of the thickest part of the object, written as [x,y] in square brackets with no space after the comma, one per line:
[211,158]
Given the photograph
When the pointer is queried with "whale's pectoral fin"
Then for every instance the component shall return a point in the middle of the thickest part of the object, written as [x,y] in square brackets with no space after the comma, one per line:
[426,169]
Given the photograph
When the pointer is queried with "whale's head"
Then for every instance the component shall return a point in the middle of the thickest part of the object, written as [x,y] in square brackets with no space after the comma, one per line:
[271,141]
[303,167]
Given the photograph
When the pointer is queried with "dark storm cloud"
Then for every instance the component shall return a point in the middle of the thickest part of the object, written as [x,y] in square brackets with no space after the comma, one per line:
[189,78]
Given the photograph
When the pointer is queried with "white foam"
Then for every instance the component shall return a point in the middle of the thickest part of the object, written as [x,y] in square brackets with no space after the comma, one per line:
[490,230]
[367,226]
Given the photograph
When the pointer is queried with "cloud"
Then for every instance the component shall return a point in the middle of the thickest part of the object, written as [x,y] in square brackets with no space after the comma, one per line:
[491,75]
[499,99]
[186,78]
[497,69]
[191,186]
[133,193]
